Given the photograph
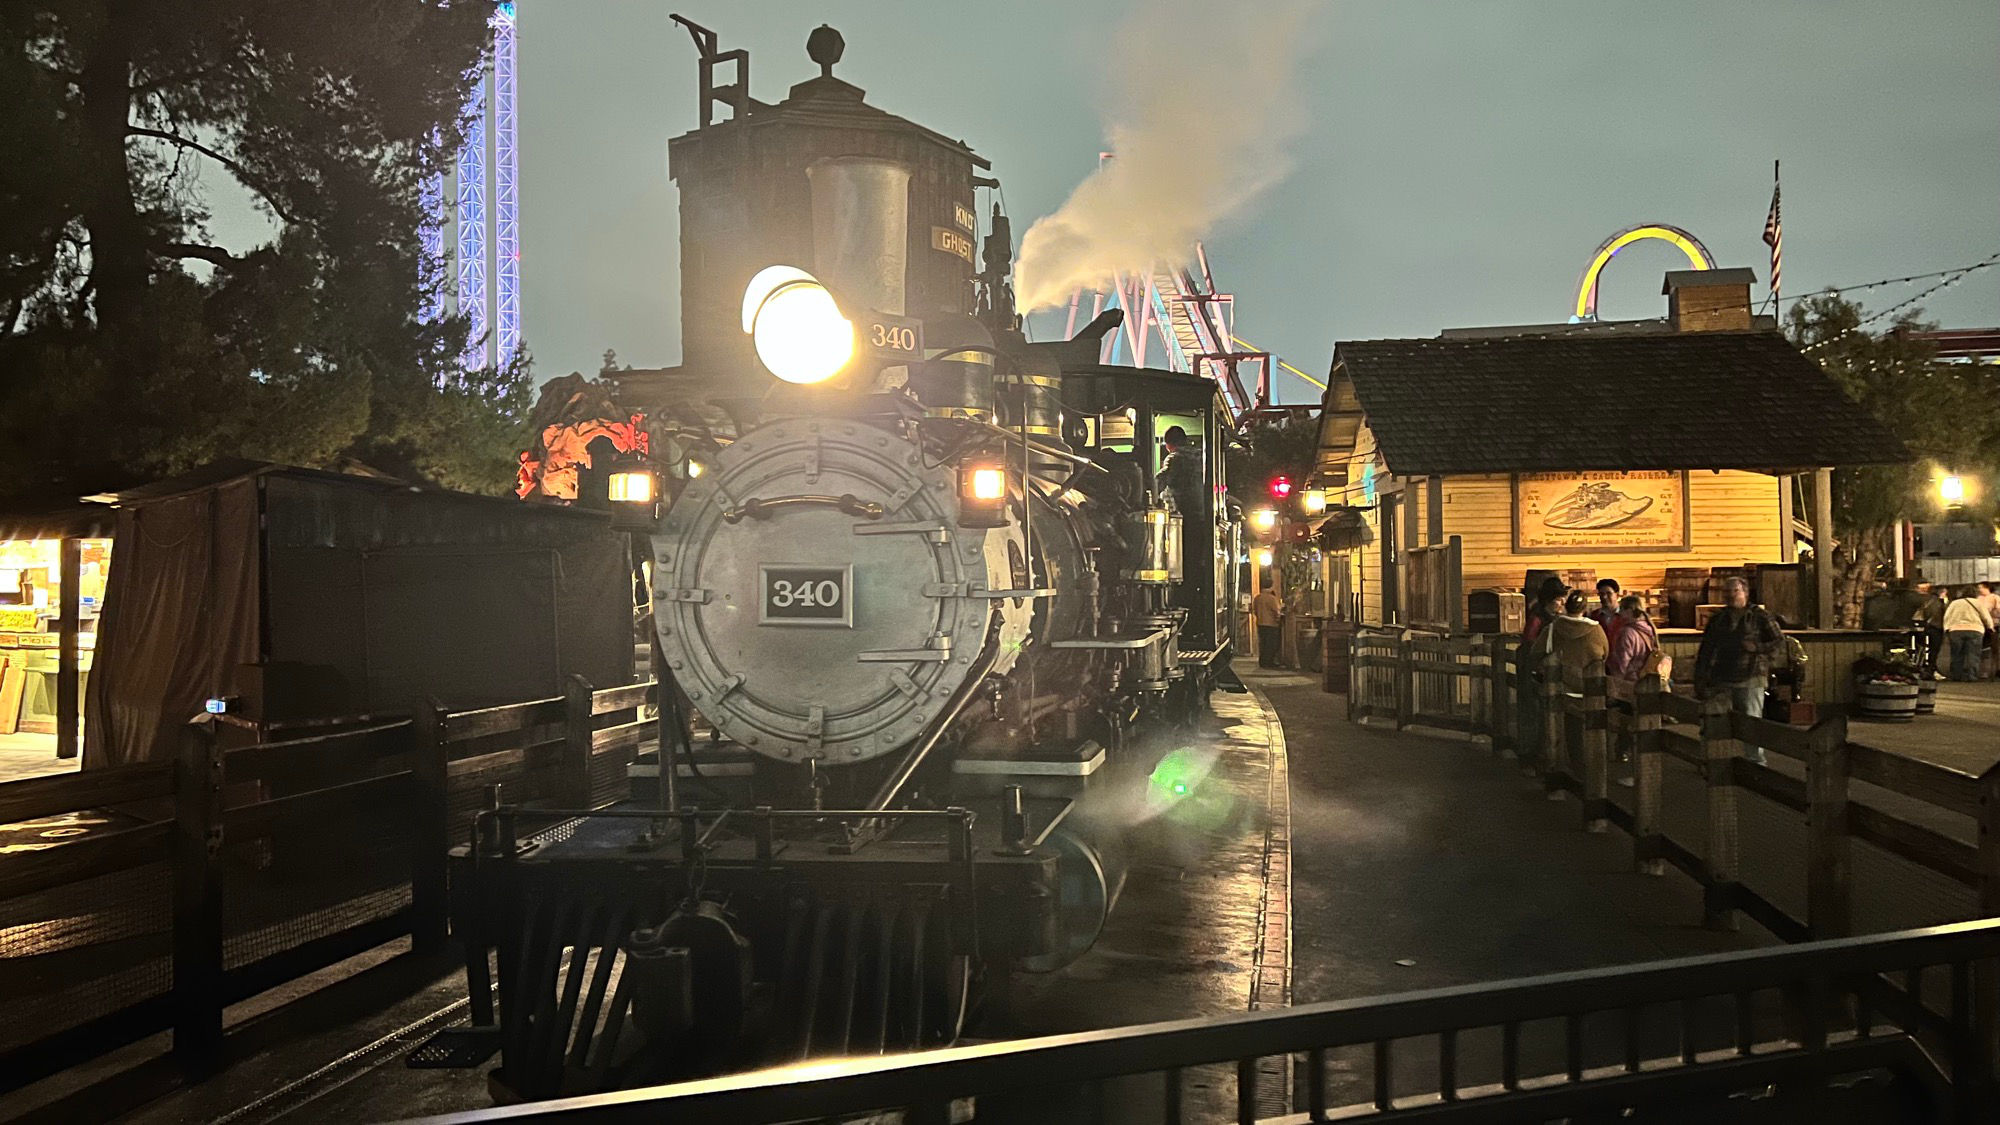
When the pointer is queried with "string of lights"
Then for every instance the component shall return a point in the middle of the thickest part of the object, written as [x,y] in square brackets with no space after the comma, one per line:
[1951,278]
[1890,281]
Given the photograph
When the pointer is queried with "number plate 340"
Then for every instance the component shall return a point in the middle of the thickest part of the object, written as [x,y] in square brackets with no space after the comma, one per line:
[806,595]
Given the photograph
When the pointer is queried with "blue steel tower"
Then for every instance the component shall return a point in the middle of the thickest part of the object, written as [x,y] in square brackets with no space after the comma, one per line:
[478,214]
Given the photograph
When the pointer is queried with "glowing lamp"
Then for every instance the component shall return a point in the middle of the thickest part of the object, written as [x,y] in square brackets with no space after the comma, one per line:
[694,468]
[988,484]
[1281,487]
[633,486]
[1951,489]
[1263,556]
[1315,500]
[1264,519]
[796,325]
[982,491]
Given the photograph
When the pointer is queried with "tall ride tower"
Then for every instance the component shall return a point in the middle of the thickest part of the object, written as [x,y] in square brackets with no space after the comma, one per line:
[477,208]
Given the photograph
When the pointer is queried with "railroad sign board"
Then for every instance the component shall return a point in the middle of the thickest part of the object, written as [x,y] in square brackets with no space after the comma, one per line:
[1642,511]
[806,595]
[951,242]
[962,215]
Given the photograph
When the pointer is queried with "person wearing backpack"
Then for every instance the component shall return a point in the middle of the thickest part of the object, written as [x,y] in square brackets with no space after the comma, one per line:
[1635,654]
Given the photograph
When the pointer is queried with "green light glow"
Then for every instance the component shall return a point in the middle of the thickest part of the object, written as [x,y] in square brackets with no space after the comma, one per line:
[1177,774]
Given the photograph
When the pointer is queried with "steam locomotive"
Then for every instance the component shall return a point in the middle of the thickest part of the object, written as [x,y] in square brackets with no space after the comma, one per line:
[931,596]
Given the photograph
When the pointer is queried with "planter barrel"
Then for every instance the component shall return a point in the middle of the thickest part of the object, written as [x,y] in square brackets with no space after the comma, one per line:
[1885,701]
[1927,697]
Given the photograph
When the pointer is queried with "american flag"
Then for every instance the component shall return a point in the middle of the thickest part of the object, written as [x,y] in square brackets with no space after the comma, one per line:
[1774,235]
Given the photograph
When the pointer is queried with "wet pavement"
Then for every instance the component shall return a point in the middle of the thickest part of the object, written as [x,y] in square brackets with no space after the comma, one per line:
[1422,861]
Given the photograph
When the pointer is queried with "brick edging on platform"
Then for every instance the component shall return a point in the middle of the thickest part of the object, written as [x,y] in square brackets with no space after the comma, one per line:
[1271,979]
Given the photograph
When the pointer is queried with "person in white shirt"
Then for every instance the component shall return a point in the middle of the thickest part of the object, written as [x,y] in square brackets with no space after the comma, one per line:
[1989,600]
[1966,624]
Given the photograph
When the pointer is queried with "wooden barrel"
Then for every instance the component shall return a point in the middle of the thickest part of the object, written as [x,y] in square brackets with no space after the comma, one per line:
[1926,697]
[1885,701]
[1335,636]
[1686,587]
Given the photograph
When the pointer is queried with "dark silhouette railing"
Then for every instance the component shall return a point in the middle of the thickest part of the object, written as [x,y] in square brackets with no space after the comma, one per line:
[1792,1025]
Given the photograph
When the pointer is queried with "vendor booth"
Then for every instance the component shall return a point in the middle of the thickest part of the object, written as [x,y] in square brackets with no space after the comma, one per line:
[53,570]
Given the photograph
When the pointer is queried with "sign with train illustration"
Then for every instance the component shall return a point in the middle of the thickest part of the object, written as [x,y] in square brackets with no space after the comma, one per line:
[1644,511]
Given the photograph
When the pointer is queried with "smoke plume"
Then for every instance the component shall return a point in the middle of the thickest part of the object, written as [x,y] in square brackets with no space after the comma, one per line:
[1202,103]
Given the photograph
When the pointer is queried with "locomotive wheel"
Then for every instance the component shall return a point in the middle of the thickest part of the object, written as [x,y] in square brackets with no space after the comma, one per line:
[1084,894]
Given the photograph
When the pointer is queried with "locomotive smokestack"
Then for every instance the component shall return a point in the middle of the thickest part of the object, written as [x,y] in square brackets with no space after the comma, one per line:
[861,228]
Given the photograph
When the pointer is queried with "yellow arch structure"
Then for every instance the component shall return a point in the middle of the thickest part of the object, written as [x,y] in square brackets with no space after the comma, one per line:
[1586,293]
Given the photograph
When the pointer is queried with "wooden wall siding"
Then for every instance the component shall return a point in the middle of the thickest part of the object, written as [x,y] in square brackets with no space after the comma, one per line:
[1733,519]
[1365,563]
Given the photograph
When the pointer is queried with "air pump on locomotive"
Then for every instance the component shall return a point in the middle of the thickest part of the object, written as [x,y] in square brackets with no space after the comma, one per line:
[933,598]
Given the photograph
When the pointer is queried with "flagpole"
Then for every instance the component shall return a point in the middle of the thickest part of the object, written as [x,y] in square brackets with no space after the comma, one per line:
[1774,235]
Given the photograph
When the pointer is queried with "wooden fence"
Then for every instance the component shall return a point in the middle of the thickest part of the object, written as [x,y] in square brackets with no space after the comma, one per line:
[1939,819]
[149,897]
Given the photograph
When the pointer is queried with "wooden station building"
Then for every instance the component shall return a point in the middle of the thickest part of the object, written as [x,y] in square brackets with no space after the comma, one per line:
[1634,450]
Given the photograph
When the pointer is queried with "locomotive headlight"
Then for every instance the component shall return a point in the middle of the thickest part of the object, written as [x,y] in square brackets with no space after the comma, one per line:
[1264,518]
[982,490]
[988,484]
[633,486]
[634,494]
[799,332]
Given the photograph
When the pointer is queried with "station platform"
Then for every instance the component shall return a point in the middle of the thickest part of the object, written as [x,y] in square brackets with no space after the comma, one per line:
[1199,930]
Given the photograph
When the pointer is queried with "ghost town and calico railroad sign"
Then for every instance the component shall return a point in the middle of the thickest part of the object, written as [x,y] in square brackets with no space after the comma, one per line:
[1639,511]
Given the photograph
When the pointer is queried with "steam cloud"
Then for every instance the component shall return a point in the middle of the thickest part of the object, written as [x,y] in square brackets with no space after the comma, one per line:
[1202,105]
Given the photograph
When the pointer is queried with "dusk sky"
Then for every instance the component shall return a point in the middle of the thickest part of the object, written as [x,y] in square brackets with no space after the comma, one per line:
[1456,161]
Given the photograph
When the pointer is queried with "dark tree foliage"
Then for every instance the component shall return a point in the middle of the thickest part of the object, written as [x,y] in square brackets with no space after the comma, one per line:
[1272,446]
[1948,414]
[132,344]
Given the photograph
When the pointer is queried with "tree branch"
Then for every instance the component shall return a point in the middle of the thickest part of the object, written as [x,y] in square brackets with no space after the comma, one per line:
[242,174]
[214,255]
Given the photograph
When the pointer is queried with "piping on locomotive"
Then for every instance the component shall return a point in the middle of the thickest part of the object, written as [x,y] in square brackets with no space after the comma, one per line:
[933,598]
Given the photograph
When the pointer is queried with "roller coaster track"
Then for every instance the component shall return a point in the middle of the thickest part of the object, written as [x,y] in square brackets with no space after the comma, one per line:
[1176,319]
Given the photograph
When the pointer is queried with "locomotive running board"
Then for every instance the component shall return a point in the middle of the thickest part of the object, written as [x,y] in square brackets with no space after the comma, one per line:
[1079,767]
[1139,641]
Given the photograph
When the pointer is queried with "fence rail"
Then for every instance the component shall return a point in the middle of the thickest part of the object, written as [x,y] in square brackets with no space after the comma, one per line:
[1841,1009]
[150,896]
[1557,718]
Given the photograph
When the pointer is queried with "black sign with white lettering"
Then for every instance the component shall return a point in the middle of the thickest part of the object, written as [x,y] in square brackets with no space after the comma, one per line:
[807,595]
[888,336]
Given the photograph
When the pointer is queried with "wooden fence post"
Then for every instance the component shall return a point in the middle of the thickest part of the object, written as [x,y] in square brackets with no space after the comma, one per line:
[1986,973]
[573,784]
[1555,726]
[1719,751]
[1503,699]
[1353,671]
[1648,831]
[1829,849]
[1405,680]
[1478,700]
[198,901]
[1596,754]
[430,895]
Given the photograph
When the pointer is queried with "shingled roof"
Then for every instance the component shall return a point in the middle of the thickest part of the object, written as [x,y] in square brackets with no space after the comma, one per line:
[1696,400]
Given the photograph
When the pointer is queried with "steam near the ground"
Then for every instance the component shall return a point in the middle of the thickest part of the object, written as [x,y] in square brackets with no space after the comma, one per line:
[1201,107]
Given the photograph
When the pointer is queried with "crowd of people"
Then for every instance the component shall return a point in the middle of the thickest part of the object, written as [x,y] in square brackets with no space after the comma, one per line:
[1956,624]
[1740,645]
